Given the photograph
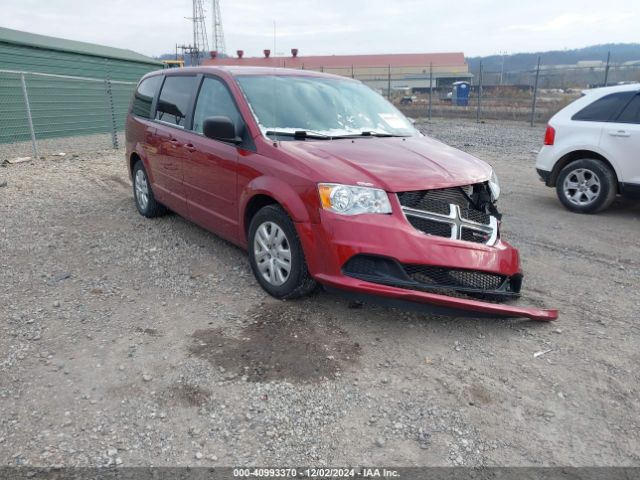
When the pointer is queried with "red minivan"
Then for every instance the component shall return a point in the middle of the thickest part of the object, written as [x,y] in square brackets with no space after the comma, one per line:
[322,181]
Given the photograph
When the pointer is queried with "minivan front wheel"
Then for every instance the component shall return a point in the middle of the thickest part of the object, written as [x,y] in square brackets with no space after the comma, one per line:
[143,195]
[586,186]
[276,256]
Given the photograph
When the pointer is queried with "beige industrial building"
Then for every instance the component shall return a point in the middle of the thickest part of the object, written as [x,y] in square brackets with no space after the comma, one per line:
[404,71]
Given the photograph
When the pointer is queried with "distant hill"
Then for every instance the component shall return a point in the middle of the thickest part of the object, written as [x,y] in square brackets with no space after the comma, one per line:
[620,52]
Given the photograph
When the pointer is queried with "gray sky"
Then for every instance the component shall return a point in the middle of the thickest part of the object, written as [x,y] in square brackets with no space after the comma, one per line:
[316,27]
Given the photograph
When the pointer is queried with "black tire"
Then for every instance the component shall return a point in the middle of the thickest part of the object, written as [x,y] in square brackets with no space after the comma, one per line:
[298,283]
[151,208]
[605,190]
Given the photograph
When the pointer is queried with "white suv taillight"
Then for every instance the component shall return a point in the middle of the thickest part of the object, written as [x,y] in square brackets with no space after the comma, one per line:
[549,135]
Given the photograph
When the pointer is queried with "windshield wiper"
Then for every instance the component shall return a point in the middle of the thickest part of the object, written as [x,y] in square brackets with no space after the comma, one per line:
[299,134]
[302,134]
[376,134]
[369,134]
[380,134]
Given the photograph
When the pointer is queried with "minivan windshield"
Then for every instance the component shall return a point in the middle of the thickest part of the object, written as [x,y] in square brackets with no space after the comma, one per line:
[323,108]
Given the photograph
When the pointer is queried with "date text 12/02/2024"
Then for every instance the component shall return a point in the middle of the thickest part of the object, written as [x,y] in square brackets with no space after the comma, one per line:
[364,472]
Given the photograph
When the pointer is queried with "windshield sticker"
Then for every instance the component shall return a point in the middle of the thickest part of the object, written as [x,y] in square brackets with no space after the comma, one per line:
[391,119]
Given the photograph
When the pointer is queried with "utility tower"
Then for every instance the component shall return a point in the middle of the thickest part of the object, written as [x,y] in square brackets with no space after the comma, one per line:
[217,35]
[200,42]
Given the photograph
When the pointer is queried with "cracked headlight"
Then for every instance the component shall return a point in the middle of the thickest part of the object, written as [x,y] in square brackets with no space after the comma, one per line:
[352,200]
[494,186]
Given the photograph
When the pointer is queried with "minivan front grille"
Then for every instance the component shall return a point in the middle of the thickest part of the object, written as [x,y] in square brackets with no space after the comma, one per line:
[437,228]
[436,200]
[449,213]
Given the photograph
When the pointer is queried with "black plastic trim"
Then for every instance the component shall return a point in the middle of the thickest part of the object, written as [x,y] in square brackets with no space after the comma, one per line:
[391,272]
[631,190]
[545,176]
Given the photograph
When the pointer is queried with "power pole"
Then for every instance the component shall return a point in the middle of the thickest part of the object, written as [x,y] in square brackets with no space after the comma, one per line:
[479,93]
[217,34]
[191,52]
[606,70]
[535,94]
[194,19]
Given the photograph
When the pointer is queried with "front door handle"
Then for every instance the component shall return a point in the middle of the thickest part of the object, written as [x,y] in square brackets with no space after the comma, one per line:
[174,142]
[619,133]
[190,147]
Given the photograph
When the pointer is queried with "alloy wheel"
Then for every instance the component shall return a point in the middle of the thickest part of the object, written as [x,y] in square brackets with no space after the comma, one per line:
[272,253]
[142,189]
[582,187]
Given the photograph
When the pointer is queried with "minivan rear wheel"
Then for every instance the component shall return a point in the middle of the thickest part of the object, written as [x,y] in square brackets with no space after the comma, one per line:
[586,186]
[276,256]
[143,195]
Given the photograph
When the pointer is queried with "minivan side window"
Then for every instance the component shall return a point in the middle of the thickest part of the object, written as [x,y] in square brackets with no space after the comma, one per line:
[604,109]
[214,100]
[173,102]
[631,113]
[143,96]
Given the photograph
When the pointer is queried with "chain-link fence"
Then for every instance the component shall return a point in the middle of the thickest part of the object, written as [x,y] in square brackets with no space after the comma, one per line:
[528,95]
[43,114]
[532,95]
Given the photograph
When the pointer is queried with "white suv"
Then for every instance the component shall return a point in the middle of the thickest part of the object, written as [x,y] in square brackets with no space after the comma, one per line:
[591,149]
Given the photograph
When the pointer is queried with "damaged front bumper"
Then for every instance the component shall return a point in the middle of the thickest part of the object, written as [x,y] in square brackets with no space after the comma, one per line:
[434,302]
[388,256]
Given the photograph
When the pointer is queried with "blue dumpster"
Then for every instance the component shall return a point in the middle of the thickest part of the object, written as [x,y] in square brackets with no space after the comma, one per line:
[460,93]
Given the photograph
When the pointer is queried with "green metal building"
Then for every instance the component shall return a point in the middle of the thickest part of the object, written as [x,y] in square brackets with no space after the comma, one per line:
[52,87]
[29,52]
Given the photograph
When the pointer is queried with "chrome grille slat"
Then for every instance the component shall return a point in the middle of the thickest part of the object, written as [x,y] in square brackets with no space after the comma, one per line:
[464,222]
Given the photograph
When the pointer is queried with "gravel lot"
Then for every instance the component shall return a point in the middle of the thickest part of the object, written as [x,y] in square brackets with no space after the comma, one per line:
[148,342]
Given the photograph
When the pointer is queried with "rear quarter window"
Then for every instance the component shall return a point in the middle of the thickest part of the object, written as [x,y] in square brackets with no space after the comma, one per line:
[144,95]
[631,113]
[604,109]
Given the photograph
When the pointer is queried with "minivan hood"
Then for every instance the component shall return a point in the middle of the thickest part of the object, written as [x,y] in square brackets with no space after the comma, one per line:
[394,164]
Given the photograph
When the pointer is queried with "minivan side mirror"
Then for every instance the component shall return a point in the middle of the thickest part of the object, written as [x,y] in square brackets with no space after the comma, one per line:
[220,128]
